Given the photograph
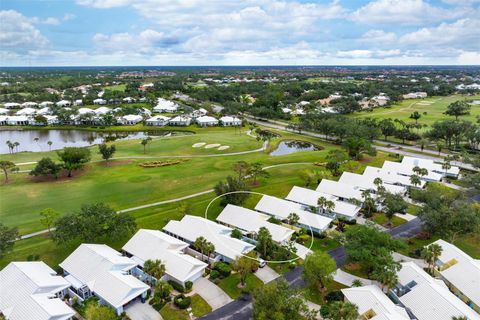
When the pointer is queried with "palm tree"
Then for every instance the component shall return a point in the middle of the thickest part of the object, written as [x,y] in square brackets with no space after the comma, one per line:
[50,145]
[16,144]
[144,142]
[154,268]
[415,180]
[446,164]
[209,248]
[420,171]
[199,245]
[431,254]
[293,218]
[343,310]
[326,205]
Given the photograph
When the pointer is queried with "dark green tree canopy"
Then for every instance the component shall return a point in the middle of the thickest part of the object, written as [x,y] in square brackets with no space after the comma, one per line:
[45,167]
[73,158]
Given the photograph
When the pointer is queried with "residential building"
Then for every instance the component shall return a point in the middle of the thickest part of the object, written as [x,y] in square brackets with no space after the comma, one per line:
[428,298]
[26,112]
[390,177]
[164,105]
[99,101]
[191,227]
[372,303]
[33,291]
[206,121]
[102,111]
[130,119]
[415,95]
[154,244]
[11,105]
[78,102]
[4,111]
[366,183]
[344,192]
[249,223]
[309,198]
[460,272]
[180,121]
[230,121]
[45,104]
[29,104]
[98,270]
[405,169]
[430,165]
[128,100]
[281,209]
[157,121]
[63,103]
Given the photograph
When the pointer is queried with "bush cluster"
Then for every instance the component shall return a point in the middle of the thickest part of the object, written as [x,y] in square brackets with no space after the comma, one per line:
[182,301]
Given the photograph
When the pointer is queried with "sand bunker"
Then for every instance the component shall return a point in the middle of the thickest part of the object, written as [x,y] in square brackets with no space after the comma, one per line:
[213,145]
[223,148]
[424,103]
[199,144]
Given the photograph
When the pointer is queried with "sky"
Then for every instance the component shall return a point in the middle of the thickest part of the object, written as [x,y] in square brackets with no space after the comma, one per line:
[239,32]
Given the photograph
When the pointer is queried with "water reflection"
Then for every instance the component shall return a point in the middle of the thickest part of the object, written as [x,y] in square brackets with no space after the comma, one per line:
[288,147]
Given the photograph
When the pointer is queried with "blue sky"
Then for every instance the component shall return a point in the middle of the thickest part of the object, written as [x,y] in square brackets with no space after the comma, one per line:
[238,32]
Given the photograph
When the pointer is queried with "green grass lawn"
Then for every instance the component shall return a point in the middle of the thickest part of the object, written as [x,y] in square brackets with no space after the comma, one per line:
[323,245]
[169,312]
[413,209]
[382,220]
[313,294]
[470,244]
[200,307]
[433,106]
[230,284]
[116,87]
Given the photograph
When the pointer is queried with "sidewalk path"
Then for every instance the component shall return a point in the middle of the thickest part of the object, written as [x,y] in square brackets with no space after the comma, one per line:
[402,258]
[406,216]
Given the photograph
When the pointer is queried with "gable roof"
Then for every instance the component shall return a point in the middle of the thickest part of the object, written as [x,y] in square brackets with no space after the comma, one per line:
[104,271]
[430,298]
[366,182]
[407,169]
[339,189]
[27,292]
[282,208]
[251,221]
[389,177]
[192,227]
[154,244]
[464,273]
[372,298]
[310,197]
[429,164]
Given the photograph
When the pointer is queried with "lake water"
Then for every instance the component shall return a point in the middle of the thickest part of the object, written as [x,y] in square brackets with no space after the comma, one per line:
[288,147]
[65,138]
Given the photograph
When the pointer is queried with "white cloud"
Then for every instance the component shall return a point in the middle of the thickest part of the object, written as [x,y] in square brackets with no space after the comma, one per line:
[18,33]
[378,36]
[406,12]
[469,57]
[355,54]
[103,3]
[461,34]
[144,43]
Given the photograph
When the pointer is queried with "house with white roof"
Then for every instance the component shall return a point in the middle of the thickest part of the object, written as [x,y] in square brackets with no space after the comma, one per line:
[380,100]
[390,177]
[128,100]
[11,105]
[180,121]
[33,291]
[164,105]
[227,121]
[130,119]
[98,270]
[63,103]
[3,111]
[29,104]
[344,192]
[44,111]
[406,169]
[249,223]
[372,303]
[286,110]
[78,102]
[49,120]
[154,244]
[199,112]
[430,165]
[191,227]
[157,121]
[45,104]
[206,121]
[366,183]
[102,111]
[85,111]
[460,272]
[309,198]
[99,101]
[281,209]
[415,95]
[428,298]
[26,112]
[15,120]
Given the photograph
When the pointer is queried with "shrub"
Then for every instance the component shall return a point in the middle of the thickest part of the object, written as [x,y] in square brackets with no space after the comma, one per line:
[223,268]
[214,274]
[325,311]
[182,301]
[176,286]
[334,296]
[188,286]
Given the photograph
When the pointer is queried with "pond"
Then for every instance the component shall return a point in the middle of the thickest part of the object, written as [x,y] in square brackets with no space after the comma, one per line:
[38,140]
[288,147]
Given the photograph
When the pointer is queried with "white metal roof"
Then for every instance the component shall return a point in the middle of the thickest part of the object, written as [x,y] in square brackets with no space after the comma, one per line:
[251,221]
[165,105]
[26,112]
[282,208]
[27,292]
[158,118]
[154,244]
[407,169]
[366,182]
[103,270]
[181,119]
[464,271]
[339,189]
[102,110]
[372,298]
[3,111]
[206,119]
[389,177]
[230,119]
[430,298]
[429,165]
[192,227]
[310,197]
[132,117]
[85,111]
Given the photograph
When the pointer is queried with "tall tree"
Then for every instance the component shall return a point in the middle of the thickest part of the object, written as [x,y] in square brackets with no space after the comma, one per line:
[457,109]
[144,142]
[264,241]
[430,254]
[245,265]
[232,189]
[73,158]
[93,222]
[45,167]
[293,218]
[106,151]
[48,217]
[154,268]
[318,271]
[7,166]
[393,203]
[7,238]
[415,116]
[241,168]
[255,171]
[342,310]
[325,204]
[96,311]
[335,158]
